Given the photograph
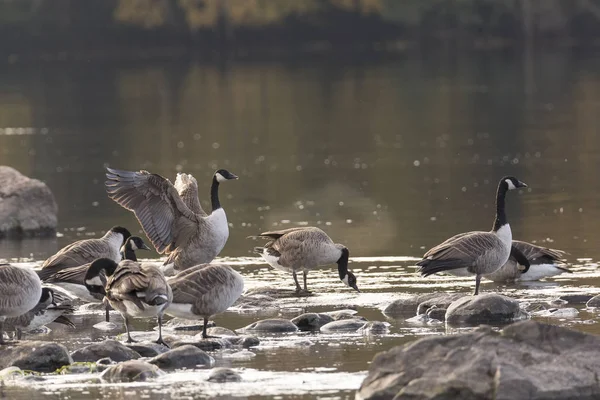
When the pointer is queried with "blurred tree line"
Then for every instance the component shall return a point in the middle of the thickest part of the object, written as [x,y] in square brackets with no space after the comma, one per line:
[96,25]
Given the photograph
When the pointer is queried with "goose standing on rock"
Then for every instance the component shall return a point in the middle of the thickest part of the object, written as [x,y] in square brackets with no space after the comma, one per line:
[20,291]
[46,311]
[481,253]
[203,291]
[302,249]
[73,279]
[88,250]
[134,289]
[171,215]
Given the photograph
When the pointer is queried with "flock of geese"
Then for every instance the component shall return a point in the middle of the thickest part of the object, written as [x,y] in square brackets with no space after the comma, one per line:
[187,285]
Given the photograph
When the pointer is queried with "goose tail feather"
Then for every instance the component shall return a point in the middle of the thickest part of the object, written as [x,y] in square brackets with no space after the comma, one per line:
[430,267]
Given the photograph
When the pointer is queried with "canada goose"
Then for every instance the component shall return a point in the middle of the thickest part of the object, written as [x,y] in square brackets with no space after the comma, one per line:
[20,291]
[73,279]
[481,253]
[203,291]
[88,250]
[172,216]
[544,263]
[47,310]
[134,289]
[302,249]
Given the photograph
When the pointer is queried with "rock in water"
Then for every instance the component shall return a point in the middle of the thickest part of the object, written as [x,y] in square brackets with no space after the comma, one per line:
[221,375]
[131,371]
[187,356]
[486,308]
[274,325]
[527,360]
[27,206]
[35,356]
[116,351]
[311,321]
[343,325]
[419,304]
[593,302]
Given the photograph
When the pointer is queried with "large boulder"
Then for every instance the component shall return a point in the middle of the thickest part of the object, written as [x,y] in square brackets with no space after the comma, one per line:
[112,349]
[527,360]
[131,371]
[27,206]
[35,356]
[486,308]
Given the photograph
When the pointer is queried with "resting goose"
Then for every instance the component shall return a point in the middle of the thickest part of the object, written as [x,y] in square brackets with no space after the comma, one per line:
[88,250]
[46,311]
[171,216]
[134,289]
[203,291]
[20,291]
[481,253]
[73,279]
[302,249]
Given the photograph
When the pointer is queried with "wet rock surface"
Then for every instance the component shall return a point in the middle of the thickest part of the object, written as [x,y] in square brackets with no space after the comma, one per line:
[593,302]
[112,349]
[311,321]
[343,325]
[408,306]
[440,300]
[180,324]
[34,356]
[374,328]
[222,375]
[220,331]
[27,206]
[576,298]
[209,344]
[147,349]
[273,325]
[527,360]
[131,371]
[186,356]
[486,308]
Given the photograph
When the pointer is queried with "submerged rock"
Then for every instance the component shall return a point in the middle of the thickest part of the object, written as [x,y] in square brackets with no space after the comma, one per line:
[112,349]
[374,328]
[576,298]
[436,313]
[208,344]
[274,325]
[27,206]
[486,308]
[440,300]
[147,349]
[221,375]
[527,360]
[246,341]
[343,314]
[557,313]
[407,306]
[35,356]
[187,356]
[311,321]
[343,325]
[180,324]
[131,371]
[220,331]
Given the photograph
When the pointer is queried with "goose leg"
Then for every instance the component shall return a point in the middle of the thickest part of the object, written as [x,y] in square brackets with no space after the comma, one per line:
[204,334]
[2,331]
[298,288]
[107,313]
[305,273]
[19,334]
[477,282]
[160,339]
[129,339]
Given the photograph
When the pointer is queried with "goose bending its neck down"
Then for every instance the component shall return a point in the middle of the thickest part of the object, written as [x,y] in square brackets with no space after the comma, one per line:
[134,289]
[20,291]
[480,253]
[73,279]
[302,249]
[203,291]
[171,215]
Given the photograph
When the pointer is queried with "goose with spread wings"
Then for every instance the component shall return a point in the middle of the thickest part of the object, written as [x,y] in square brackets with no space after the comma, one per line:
[171,215]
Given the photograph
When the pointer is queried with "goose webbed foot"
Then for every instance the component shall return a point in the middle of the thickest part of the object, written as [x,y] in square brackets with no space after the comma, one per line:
[210,337]
[162,342]
[130,340]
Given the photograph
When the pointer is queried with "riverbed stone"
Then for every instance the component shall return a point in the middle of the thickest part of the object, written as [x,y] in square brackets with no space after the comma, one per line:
[34,356]
[245,341]
[576,298]
[116,351]
[440,300]
[27,206]
[406,307]
[311,321]
[131,371]
[527,360]
[273,325]
[489,308]
[220,331]
[374,328]
[181,324]
[593,302]
[436,313]
[208,344]
[343,325]
[221,375]
[147,349]
[186,356]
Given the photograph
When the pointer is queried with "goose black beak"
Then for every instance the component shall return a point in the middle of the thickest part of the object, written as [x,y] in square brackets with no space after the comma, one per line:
[355,288]
[233,176]
[522,184]
[145,247]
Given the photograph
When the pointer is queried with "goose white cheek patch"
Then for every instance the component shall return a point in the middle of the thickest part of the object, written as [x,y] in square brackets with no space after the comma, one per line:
[345,280]
[511,185]
[220,177]
[95,281]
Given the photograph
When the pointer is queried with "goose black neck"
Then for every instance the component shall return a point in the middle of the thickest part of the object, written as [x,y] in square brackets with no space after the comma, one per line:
[128,254]
[214,194]
[343,264]
[500,207]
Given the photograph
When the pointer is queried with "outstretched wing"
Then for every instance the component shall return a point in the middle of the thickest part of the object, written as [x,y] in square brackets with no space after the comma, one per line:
[167,221]
[187,187]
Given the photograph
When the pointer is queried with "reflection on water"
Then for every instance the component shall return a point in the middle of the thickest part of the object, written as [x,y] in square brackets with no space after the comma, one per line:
[389,157]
